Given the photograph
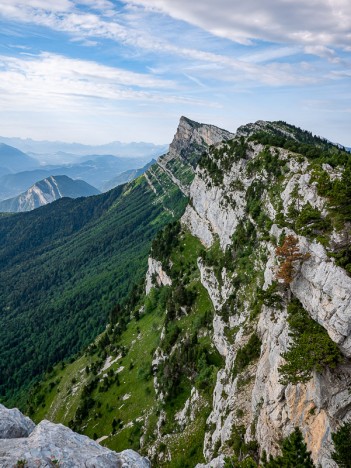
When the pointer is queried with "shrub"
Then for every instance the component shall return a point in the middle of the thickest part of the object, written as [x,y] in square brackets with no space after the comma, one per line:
[294,454]
[289,256]
[309,221]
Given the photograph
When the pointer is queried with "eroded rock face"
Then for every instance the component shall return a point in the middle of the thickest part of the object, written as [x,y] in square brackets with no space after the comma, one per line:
[189,142]
[192,133]
[211,213]
[13,424]
[324,289]
[41,445]
[318,406]
[156,276]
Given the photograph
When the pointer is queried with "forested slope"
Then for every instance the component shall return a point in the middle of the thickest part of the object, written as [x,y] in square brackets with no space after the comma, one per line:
[65,266]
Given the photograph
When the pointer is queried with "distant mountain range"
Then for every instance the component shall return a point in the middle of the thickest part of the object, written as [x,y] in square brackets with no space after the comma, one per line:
[14,160]
[57,152]
[46,191]
[18,171]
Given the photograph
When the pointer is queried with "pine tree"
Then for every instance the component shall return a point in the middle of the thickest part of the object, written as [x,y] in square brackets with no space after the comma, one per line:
[342,445]
[294,453]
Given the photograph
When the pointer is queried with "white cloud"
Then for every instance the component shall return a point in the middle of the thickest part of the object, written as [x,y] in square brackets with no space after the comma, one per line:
[323,52]
[188,67]
[52,80]
[84,25]
[269,54]
[319,22]
[15,7]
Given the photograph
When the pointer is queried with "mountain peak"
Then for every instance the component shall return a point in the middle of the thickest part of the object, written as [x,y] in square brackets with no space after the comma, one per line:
[189,143]
[190,132]
[46,191]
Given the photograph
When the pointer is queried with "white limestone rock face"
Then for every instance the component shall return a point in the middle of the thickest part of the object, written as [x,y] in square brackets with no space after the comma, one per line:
[268,409]
[324,289]
[315,407]
[13,424]
[227,398]
[190,138]
[198,227]
[155,273]
[305,190]
[210,214]
[50,441]
[188,413]
[218,293]
[189,132]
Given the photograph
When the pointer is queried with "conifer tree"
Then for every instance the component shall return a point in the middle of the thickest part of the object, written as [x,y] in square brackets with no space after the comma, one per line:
[294,453]
[342,445]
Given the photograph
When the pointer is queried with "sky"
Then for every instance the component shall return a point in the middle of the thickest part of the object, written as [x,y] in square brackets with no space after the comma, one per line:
[94,71]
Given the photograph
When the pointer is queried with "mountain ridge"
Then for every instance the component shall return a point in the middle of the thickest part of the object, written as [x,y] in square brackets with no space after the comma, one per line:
[40,148]
[240,330]
[12,159]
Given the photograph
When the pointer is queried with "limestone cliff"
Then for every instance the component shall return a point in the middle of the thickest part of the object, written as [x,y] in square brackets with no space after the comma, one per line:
[231,191]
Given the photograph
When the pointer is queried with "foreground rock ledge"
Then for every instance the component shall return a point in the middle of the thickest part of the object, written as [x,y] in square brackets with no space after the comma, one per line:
[40,445]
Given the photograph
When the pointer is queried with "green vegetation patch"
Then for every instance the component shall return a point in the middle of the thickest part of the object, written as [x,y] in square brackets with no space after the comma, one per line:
[342,445]
[302,142]
[311,350]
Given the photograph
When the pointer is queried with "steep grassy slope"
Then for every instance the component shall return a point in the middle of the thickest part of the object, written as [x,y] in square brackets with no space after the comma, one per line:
[108,393]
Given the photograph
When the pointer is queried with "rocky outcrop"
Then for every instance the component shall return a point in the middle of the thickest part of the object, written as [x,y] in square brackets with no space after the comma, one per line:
[51,444]
[193,133]
[322,287]
[189,142]
[217,462]
[215,211]
[13,424]
[156,275]
[316,407]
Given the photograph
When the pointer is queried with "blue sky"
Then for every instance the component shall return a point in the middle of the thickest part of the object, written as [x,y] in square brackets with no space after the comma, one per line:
[94,71]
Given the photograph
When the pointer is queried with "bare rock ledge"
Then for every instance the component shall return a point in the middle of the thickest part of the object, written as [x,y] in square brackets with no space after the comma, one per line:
[22,440]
